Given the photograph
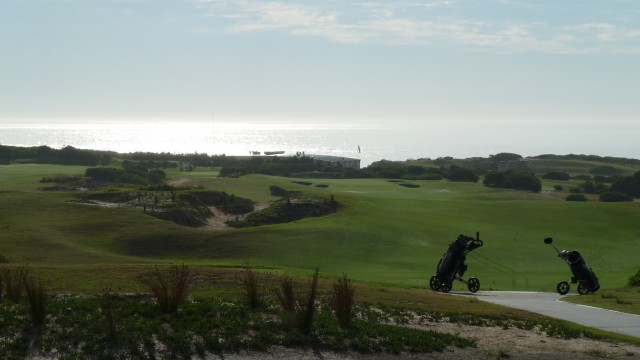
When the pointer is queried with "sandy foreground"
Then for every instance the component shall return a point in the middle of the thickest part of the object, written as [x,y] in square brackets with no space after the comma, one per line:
[492,343]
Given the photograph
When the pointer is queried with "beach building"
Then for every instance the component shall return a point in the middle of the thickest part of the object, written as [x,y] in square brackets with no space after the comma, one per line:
[337,161]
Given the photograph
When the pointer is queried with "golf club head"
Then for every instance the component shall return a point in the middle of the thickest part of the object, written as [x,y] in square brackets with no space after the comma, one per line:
[548,240]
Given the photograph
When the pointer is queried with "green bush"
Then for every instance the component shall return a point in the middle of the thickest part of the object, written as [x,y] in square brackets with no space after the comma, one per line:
[575,197]
[556,175]
[635,279]
[462,175]
[513,180]
[558,187]
[606,170]
[614,196]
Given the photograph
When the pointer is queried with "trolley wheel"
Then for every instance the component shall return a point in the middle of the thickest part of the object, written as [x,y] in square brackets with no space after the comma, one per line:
[446,287]
[473,284]
[583,290]
[434,283]
[563,287]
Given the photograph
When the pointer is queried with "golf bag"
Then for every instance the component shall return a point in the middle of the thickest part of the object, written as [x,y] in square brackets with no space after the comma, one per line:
[583,275]
[452,265]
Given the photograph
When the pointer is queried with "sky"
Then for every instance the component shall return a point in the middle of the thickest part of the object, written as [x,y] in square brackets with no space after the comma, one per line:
[371,61]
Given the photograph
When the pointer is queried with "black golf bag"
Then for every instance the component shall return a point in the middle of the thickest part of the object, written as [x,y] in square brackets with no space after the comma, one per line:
[583,275]
[452,265]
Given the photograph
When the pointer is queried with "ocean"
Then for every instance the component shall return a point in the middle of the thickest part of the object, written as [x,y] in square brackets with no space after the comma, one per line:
[367,142]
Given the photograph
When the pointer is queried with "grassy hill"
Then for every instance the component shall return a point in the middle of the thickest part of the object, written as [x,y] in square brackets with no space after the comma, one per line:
[384,233]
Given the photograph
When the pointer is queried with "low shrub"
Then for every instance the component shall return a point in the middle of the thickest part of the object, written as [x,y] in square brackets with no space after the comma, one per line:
[409,185]
[558,187]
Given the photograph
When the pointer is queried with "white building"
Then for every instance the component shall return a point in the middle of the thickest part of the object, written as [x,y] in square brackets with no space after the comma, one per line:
[337,161]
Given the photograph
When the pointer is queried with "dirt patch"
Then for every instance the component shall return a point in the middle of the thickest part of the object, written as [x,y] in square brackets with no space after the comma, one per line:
[178,182]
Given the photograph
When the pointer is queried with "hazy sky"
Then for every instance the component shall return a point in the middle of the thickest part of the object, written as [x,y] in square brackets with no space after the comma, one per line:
[369,60]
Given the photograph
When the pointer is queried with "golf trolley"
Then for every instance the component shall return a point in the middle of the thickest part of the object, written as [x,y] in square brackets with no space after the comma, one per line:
[452,267]
[583,275]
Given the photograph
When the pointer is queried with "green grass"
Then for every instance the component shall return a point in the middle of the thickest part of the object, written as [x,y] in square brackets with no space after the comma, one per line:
[624,299]
[384,233]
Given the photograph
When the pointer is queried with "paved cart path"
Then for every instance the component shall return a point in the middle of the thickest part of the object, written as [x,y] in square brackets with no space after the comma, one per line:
[549,304]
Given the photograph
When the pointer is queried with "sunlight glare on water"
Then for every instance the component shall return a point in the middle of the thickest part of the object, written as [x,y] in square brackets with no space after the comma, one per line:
[394,141]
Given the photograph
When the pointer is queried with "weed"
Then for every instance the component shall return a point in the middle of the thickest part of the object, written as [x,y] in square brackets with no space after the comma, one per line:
[170,287]
[342,300]
[37,295]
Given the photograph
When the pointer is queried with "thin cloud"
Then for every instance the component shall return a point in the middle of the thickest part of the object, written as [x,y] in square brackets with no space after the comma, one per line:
[422,24]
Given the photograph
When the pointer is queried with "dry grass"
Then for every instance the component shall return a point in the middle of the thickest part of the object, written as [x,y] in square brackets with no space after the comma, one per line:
[14,281]
[342,300]
[170,286]
[37,296]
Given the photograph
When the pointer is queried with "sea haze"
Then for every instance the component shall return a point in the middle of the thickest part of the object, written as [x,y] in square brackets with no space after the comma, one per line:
[395,141]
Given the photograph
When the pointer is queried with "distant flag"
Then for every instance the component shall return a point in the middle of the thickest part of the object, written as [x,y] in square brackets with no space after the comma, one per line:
[358,149]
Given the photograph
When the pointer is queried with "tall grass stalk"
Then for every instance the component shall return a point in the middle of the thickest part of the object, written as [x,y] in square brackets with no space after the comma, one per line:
[170,287]
[14,282]
[287,296]
[108,305]
[342,300]
[307,308]
[252,289]
[37,295]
